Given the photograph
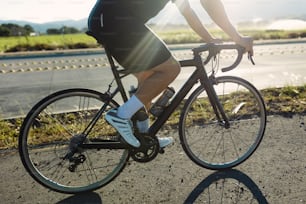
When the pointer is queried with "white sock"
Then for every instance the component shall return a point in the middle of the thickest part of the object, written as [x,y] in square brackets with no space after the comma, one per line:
[129,108]
[143,126]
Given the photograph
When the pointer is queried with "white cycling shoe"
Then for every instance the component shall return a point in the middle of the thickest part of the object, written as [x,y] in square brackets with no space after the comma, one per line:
[165,141]
[123,126]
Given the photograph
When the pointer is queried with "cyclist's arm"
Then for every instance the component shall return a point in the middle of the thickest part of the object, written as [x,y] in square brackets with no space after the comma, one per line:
[193,20]
[216,11]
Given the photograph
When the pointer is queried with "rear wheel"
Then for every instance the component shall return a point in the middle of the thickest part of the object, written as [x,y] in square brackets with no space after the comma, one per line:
[48,131]
[207,141]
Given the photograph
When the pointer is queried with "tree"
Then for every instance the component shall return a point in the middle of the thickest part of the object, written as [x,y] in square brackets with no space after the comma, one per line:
[53,31]
[11,29]
[4,32]
[68,30]
[28,29]
[62,30]
[15,30]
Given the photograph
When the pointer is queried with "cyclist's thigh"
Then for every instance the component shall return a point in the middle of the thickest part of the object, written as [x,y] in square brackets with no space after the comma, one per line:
[131,43]
[134,45]
[138,49]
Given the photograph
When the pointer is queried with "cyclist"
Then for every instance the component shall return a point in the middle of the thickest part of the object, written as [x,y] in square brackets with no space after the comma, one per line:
[120,26]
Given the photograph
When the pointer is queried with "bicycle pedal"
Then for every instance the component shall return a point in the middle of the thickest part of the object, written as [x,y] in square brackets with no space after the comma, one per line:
[161,150]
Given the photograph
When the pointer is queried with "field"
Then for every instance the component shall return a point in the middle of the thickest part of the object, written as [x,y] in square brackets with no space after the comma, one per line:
[173,36]
[45,42]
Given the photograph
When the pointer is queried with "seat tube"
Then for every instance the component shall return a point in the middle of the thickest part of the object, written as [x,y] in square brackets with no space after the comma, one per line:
[116,75]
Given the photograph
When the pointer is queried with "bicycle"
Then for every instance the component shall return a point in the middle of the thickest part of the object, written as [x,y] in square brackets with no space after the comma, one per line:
[66,145]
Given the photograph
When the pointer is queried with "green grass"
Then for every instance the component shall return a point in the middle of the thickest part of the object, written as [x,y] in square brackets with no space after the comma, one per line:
[289,99]
[187,36]
[282,101]
[9,130]
[174,36]
[49,42]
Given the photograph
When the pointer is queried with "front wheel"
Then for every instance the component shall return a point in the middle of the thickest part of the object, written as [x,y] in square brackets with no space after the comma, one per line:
[54,125]
[207,141]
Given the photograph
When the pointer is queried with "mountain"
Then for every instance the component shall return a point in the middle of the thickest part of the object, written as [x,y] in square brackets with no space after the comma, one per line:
[164,19]
[42,27]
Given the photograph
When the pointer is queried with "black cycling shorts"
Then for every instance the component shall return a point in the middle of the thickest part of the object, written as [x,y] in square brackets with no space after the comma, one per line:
[128,39]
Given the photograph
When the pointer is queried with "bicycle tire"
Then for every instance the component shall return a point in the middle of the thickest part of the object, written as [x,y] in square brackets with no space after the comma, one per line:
[209,143]
[45,135]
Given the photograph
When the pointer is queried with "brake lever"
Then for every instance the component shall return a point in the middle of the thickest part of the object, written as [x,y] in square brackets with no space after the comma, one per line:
[250,57]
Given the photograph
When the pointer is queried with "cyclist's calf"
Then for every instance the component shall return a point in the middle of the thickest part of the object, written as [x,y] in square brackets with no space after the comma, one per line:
[154,81]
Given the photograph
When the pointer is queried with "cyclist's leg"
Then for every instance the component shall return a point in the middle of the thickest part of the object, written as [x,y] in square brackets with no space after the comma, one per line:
[147,57]
[140,51]
[152,82]
[135,47]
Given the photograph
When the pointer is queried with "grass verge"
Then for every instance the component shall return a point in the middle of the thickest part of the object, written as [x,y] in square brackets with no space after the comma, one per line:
[288,100]
[174,36]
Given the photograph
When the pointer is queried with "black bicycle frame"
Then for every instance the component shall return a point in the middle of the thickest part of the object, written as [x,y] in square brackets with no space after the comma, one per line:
[198,75]
[206,82]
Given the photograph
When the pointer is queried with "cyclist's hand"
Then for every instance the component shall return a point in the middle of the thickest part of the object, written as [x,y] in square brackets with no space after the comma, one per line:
[247,43]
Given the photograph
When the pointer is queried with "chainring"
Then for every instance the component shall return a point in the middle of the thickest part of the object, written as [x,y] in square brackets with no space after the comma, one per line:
[148,150]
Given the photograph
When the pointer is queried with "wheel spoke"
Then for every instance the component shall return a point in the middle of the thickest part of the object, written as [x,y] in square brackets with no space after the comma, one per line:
[53,128]
[225,147]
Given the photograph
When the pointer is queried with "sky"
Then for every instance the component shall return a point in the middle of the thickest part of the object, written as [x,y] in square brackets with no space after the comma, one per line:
[41,11]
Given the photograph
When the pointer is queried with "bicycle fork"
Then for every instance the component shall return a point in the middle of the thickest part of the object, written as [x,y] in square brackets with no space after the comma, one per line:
[208,83]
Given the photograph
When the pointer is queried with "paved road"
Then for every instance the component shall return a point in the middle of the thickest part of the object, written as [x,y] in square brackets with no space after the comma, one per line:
[23,81]
[274,174]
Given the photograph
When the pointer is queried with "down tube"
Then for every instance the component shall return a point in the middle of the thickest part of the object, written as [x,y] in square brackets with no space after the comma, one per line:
[193,79]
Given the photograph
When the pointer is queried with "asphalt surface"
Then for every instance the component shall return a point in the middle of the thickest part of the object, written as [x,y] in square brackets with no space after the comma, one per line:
[275,173]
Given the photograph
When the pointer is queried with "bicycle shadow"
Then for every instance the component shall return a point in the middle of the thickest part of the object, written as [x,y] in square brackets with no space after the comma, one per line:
[83,198]
[231,186]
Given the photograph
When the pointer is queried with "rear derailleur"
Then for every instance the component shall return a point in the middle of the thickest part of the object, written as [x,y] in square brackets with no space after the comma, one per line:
[75,160]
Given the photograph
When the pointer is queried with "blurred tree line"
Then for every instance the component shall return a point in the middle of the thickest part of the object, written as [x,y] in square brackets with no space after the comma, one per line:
[62,30]
[11,29]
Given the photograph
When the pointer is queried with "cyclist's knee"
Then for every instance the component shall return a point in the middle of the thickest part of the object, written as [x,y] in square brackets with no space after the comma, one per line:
[171,67]
[168,69]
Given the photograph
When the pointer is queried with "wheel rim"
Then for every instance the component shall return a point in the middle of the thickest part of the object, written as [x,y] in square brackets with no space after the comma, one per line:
[45,139]
[217,147]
